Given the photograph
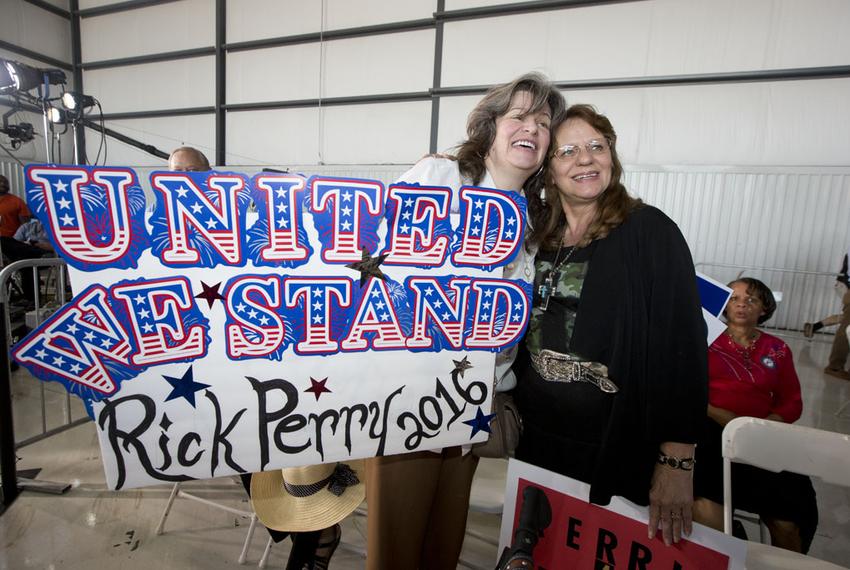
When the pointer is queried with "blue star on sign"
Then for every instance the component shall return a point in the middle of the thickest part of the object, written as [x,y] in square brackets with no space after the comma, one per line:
[481,422]
[184,387]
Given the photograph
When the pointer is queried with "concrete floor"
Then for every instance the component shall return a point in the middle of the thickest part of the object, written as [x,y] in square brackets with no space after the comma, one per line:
[90,527]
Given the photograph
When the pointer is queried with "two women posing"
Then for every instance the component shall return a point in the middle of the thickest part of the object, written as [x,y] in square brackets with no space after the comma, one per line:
[615,298]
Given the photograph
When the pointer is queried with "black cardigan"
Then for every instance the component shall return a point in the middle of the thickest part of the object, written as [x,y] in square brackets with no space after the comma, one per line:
[639,313]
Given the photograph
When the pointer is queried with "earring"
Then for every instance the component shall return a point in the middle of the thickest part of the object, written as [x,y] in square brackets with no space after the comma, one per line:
[539,171]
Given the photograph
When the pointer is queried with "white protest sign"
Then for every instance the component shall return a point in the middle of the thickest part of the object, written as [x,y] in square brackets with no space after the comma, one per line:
[344,320]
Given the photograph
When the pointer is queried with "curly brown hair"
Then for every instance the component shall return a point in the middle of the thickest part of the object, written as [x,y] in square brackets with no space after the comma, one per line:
[612,207]
[481,124]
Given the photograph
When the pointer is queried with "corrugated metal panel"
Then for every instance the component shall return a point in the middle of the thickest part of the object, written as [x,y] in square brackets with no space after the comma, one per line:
[793,219]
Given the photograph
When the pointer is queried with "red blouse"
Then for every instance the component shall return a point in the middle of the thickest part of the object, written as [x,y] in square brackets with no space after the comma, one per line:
[755,382]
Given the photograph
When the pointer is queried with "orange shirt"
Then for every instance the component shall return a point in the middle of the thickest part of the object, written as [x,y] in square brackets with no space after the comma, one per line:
[12,209]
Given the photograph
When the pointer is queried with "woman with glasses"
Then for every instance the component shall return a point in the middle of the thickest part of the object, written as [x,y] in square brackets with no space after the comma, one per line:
[614,386]
[418,502]
[751,373]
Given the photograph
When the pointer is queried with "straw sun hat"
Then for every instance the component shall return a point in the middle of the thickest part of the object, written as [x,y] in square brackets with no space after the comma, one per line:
[302,499]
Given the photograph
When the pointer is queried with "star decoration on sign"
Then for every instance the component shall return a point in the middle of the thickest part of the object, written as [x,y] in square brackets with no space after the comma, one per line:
[318,387]
[210,294]
[462,365]
[369,266]
[481,422]
[184,387]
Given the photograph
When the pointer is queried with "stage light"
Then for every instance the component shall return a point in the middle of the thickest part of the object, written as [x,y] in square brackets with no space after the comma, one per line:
[23,76]
[18,76]
[77,101]
[6,81]
[57,116]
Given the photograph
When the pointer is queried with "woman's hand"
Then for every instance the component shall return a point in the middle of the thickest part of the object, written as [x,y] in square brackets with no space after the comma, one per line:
[671,497]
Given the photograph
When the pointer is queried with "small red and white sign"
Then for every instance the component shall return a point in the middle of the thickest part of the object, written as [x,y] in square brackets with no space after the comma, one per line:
[582,535]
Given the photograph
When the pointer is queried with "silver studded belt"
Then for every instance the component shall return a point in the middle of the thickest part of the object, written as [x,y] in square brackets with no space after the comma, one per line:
[559,367]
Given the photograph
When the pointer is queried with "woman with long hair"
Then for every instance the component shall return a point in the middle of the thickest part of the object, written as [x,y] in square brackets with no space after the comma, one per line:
[615,380]
[418,502]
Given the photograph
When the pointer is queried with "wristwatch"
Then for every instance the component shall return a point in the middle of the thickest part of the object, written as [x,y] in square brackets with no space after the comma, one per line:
[683,463]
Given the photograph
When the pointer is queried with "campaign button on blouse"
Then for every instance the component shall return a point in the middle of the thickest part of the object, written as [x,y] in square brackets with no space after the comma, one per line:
[768,362]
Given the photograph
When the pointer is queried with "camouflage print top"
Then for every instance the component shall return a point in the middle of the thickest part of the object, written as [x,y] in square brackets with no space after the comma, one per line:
[553,328]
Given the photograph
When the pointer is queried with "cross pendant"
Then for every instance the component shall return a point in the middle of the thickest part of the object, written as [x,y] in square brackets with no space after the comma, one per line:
[545,291]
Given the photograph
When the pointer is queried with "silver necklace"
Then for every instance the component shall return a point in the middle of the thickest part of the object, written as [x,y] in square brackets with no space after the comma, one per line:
[547,285]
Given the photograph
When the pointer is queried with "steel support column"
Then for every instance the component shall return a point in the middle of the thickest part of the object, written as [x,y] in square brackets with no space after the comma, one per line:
[220,82]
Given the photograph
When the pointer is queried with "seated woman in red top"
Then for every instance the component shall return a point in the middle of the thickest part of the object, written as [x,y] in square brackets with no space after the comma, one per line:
[751,373]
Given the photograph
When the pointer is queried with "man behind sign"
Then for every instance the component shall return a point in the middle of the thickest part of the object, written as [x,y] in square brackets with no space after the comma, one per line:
[309,549]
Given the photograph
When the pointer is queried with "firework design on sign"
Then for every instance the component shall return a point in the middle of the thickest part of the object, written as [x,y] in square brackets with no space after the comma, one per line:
[92,216]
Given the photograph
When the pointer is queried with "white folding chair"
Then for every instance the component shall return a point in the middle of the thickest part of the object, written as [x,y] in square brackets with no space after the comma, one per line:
[487,496]
[176,492]
[488,492]
[778,446]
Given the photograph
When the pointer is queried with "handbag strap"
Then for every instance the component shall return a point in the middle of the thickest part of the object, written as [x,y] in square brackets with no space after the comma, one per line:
[501,412]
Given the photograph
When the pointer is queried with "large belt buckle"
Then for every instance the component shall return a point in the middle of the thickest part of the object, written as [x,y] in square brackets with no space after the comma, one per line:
[559,367]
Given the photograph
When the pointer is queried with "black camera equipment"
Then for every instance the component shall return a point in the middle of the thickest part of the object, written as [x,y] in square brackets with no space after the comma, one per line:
[535,515]
[18,134]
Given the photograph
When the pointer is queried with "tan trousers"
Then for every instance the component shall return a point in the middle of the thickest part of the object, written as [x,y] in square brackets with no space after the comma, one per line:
[418,504]
[840,346]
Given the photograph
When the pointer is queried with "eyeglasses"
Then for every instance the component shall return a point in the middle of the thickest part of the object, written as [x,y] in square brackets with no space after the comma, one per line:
[593,147]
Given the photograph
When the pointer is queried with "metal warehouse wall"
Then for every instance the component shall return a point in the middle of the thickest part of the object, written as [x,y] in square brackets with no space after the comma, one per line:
[786,226]
[733,115]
